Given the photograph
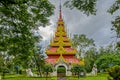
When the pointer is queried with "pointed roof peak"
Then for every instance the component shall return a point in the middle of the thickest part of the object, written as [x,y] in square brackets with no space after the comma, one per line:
[60,4]
[60,12]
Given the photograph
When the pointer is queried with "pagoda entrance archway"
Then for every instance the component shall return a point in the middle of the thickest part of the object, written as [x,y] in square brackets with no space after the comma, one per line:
[61,71]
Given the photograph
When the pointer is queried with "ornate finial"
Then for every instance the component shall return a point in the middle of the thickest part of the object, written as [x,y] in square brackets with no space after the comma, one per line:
[60,5]
[60,14]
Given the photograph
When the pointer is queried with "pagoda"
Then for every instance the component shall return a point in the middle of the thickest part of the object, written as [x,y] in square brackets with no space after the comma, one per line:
[60,51]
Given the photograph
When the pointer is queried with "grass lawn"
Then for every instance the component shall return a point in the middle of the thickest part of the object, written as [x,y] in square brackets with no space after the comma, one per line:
[98,77]
[22,77]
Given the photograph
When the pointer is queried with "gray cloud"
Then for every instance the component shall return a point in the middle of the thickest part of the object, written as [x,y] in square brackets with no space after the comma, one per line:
[97,27]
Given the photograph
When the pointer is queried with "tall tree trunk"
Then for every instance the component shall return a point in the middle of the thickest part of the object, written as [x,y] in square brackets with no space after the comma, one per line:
[38,66]
[46,75]
[3,75]
[3,72]
[78,75]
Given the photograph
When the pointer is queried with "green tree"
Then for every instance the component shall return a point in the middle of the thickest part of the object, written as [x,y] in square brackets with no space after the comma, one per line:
[18,20]
[91,56]
[77,69]
[107,60]
[89,7]
[86,6]
[3,64]
[107,50]
[47,70]
[39,60]
[118,47]
[114,72]
[116,23]
[106,55]
[1,60]
[82,43]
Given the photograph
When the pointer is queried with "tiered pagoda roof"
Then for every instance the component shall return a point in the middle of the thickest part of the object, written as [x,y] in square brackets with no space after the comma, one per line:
[60,47]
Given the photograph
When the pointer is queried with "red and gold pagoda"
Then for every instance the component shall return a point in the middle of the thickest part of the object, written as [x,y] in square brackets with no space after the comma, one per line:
[60,46]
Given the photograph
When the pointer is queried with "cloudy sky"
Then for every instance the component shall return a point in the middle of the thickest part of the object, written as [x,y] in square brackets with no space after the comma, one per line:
[97,27]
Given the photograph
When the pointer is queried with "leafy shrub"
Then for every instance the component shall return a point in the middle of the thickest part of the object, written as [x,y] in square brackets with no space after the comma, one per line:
[61,70]
[78,70]
[114,73]
[107,60]
[47,68]
[5,70]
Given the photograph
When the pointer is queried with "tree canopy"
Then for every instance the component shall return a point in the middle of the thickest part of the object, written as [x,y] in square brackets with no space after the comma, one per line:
[18,20]
[107,60]
[81,42]
[116,23]
[86,6]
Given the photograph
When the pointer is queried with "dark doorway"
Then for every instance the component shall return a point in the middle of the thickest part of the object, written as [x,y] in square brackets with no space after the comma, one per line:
[61,72]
